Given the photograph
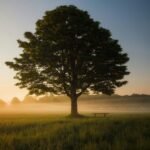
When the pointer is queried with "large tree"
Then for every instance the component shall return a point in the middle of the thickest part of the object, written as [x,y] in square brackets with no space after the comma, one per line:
[69,53]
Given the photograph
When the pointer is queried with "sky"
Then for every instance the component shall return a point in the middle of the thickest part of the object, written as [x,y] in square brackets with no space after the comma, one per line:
[128,21]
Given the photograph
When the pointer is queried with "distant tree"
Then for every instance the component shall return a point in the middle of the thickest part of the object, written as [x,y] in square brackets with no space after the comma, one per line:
[69,53]
[15,100]
[29,99]
[2,102]
[45,99]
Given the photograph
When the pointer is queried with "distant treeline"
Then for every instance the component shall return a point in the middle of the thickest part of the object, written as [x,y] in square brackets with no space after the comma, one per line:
[48,99]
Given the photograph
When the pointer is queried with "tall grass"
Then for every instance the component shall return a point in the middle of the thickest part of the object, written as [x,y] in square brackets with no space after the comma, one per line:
[61,133]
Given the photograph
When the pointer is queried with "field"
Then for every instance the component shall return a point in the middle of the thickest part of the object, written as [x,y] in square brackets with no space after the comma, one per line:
[58,132]
[47,126]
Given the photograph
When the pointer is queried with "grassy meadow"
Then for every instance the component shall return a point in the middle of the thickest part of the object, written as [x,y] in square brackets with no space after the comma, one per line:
[58,132]
[46,125]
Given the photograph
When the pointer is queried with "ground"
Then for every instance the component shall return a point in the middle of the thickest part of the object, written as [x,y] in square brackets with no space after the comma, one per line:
[59,132]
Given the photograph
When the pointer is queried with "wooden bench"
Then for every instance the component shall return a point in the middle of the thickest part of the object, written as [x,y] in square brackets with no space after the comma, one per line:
[100,114]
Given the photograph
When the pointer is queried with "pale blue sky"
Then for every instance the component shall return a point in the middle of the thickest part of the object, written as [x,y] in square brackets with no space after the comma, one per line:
[128,20]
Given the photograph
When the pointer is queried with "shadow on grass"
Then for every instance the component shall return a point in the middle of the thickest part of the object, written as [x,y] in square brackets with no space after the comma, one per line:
[77,116]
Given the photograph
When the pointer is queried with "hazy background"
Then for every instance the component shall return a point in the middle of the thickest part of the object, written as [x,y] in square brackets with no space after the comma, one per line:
[128,20]
[86,104]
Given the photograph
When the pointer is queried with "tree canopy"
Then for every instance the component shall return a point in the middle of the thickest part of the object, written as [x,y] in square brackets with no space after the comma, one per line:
[15,100]
[70,53]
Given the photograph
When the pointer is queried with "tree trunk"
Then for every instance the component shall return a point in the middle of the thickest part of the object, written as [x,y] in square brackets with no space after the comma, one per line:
[74,107]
